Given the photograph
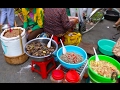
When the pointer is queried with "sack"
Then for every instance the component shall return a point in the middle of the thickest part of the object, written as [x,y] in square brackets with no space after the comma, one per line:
[72,38]
[111,15]
[42,35]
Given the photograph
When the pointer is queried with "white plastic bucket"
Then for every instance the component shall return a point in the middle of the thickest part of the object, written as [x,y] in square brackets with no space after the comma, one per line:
[12,46]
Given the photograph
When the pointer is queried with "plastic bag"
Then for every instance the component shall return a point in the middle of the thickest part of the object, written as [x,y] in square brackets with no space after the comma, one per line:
[72,38]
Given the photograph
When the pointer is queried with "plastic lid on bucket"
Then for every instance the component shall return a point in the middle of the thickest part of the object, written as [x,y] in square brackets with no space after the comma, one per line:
[57,74]
[72,76]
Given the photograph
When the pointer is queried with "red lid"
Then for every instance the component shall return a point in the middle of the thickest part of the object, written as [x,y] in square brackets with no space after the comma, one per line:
[72,76]
[57,74]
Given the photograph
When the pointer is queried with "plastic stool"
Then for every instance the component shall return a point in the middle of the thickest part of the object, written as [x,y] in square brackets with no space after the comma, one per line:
[43,67]
[57,39]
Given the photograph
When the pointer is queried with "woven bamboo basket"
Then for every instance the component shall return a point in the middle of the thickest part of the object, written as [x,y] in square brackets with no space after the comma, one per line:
[17,59]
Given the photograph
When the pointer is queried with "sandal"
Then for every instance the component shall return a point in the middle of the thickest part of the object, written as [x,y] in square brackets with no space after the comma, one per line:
[118,27]
[114,26]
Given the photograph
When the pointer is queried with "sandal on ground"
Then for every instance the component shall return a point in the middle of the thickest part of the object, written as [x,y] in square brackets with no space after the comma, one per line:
[118,27]
[114,26]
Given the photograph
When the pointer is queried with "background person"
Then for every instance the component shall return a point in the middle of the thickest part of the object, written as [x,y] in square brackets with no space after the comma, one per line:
[84,12]
[7,13]
[73,11]
[33,21]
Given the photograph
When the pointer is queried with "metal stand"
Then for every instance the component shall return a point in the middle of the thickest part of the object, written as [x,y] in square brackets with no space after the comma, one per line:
[80,70]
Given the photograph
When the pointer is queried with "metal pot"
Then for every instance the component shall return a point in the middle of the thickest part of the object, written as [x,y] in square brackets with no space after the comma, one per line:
[45,41]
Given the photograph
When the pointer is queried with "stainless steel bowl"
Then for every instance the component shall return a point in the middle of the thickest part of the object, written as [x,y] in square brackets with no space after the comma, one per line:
[42,40]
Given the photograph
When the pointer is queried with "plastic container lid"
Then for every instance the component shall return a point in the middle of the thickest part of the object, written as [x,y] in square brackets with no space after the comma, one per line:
[57,74]
[72,76]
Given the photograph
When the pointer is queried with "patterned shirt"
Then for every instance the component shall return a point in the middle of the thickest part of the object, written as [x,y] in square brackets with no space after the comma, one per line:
[31,15]
[38,18]
[56,21]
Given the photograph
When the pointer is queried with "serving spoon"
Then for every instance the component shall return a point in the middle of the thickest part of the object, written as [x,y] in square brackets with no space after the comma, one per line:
[63,47]
[96,56]
[49,43]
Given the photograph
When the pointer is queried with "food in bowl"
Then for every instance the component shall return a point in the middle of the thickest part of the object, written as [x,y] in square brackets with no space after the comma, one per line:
[71,57]
[97,16]
[103,68]
[39,49]
[13,33]
[75,49]
[99,77]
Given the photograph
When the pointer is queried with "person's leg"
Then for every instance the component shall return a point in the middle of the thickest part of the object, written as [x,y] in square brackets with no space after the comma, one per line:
[117,23]
[73,11]
[34,34]
[89,10]
[3,15]
[11,16]
[80,14]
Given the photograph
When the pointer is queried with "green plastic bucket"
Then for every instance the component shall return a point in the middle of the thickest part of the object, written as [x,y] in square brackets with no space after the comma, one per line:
[98,80]
[99,77]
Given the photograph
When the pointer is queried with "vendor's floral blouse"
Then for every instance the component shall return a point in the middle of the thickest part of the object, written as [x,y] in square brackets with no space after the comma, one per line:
[34,18]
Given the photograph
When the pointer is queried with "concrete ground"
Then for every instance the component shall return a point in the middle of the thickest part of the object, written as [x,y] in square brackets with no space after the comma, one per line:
[11,73]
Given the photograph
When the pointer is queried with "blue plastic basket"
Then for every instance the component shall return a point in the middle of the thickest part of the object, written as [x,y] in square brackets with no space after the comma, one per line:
[75,49]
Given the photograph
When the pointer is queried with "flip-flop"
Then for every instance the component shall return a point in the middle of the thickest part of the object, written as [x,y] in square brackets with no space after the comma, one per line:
[114,26]
[114,36]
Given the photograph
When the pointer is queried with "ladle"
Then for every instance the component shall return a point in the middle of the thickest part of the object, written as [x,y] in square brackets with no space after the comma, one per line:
[49,43]
[96,56]
[63,47]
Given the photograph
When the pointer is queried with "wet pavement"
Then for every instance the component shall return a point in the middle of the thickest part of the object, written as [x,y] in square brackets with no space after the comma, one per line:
[22,73]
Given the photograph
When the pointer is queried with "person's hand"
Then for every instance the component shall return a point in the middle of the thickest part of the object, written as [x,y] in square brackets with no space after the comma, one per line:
[75,21]
[29,31]
[72,17]
[70,30]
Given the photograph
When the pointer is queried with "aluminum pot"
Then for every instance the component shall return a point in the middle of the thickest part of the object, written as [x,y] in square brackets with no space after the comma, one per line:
[45,41]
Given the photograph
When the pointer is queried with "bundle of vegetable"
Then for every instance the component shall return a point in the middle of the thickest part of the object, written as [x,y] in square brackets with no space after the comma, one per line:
[97,16]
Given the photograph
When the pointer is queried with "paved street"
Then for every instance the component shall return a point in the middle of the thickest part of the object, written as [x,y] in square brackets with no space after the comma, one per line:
[11,73]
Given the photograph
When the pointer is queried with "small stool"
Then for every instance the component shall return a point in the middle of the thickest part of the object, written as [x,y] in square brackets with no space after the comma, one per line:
[43,67]
[57,39]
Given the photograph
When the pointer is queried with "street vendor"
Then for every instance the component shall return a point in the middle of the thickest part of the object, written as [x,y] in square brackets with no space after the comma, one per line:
[57,22]
[33,21]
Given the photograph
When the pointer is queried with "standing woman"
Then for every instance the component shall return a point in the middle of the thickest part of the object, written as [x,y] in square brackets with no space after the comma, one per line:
[73,12]
[33,21]
[80,12]
[7,13]
[84,12]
